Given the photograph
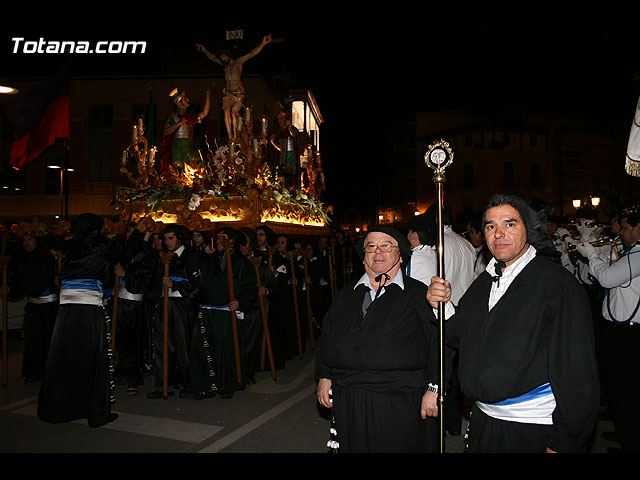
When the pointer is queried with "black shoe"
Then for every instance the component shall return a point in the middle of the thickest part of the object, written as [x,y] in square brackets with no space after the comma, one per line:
[156,394]
[226,396]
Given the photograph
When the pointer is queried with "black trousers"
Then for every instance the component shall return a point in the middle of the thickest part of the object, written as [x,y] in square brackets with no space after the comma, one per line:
[621,366]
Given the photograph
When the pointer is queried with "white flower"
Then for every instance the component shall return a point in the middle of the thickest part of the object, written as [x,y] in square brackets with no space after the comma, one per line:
[194,202]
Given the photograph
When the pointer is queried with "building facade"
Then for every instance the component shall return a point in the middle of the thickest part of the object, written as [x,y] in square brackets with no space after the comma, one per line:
[103,112]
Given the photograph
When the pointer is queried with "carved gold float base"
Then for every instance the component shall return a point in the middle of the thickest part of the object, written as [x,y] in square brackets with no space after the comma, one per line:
[213,213]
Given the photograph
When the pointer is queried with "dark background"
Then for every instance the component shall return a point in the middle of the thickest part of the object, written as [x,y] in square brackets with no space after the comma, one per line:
[374,78]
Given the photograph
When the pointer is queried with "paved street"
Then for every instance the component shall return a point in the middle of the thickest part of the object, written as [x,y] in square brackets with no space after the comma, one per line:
[279,416]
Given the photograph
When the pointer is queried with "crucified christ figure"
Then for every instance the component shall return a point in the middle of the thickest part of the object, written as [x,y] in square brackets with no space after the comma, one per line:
[233,92]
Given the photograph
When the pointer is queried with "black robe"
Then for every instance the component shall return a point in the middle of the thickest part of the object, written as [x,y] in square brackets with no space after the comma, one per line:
[182,311]
[539,331]
[322,296]
[213,360]
[133,325]
[380,365]
[282,314]
[78,378]
[33,275]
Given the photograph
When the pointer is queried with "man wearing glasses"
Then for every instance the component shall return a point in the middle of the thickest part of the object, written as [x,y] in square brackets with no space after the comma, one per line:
[378,358]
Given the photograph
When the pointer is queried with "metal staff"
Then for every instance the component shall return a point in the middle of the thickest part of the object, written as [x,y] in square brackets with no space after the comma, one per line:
[265,319]
[234,320]
[438,157]
[308,293]
[166,259]
[295,301]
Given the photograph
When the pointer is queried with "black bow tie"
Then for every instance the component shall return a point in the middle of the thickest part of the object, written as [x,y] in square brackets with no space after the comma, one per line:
[498,269]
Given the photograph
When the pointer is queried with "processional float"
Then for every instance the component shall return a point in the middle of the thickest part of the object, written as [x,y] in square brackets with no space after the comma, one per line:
[438,157]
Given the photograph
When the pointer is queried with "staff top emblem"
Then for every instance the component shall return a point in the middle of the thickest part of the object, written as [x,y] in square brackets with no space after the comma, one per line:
[438,157]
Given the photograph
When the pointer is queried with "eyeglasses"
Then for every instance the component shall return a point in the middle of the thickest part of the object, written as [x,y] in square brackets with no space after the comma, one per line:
[385,247]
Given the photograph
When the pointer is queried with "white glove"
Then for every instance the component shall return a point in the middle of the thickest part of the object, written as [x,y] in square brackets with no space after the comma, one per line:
[586,250]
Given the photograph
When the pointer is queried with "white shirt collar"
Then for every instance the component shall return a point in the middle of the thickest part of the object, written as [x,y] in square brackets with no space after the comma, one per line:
[516,267]
[397,279]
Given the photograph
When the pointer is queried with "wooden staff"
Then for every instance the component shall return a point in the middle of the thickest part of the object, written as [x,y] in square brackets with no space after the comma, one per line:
[234,320]
[5,321]
[166,259]
[295,301]
[265,319]
[114,315]
[438,157]
[308,292]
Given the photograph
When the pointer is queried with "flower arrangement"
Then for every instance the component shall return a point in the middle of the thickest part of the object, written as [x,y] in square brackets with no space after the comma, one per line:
[224,177]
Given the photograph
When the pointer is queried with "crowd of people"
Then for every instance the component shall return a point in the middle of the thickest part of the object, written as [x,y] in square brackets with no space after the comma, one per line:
[541,327]
[114,306]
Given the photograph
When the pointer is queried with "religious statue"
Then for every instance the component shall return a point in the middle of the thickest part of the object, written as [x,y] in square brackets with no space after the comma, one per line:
[177,148]
[306,168]
[233,93]
[287,144]
[317,177]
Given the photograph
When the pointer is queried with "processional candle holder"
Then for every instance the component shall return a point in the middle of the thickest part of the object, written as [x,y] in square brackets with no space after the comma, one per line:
[438,157]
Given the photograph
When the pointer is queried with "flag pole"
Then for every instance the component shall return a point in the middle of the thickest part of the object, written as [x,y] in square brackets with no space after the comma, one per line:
[438,157]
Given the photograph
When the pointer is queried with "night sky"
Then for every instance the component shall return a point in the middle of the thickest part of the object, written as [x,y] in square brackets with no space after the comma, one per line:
[384,74]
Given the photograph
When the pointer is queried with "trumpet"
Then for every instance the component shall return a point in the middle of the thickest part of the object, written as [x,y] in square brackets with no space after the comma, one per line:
[614,242]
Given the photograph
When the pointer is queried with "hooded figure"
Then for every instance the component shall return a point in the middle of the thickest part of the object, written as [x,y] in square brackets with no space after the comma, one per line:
[78,378]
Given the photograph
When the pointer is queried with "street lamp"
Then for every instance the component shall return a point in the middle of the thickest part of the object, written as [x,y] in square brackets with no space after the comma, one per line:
[63,197]
[588,202]
[7,88]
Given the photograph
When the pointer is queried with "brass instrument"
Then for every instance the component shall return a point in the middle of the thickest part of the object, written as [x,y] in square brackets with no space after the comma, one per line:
[597,243]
